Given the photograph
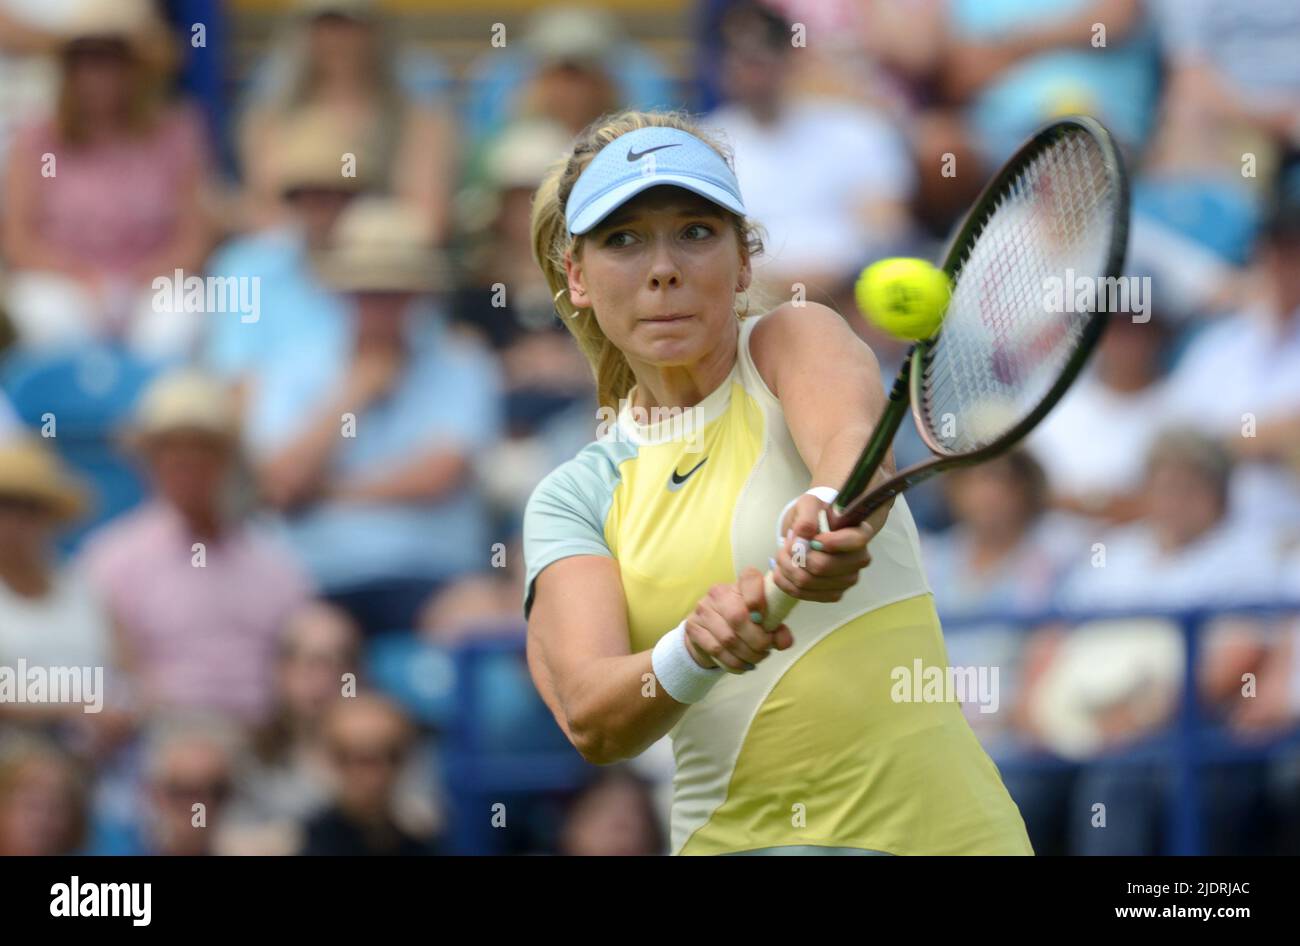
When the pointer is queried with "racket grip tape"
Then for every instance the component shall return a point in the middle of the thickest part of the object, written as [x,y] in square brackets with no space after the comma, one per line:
[778,603]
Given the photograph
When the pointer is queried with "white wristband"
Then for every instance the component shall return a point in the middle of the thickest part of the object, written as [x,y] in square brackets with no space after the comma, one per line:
[678,673]
[826,494]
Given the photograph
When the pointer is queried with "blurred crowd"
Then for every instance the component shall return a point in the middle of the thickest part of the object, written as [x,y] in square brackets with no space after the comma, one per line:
[274,391]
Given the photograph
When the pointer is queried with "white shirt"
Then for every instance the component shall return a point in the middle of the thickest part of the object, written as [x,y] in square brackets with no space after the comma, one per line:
[67,628]
[1244,365]
[28,84]
[1095,442]
[806,177]
[1230,563]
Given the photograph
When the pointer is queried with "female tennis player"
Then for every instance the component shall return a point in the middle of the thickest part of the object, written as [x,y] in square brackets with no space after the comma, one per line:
[790,741]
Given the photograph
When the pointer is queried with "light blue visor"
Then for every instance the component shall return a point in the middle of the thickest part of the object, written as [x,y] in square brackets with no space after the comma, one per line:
[649,157]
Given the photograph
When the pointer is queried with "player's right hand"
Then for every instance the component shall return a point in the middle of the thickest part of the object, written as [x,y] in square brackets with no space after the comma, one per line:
[720,631]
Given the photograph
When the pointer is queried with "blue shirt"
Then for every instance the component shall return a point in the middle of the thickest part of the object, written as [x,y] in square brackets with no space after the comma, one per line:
[294,304]
[1116,84]
[449,394]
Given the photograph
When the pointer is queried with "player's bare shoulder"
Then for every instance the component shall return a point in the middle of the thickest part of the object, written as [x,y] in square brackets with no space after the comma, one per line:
[790,335]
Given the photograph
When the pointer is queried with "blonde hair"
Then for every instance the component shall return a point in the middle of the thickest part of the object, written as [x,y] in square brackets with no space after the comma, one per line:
[551,240]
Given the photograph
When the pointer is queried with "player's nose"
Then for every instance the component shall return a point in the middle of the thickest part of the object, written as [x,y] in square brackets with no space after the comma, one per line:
[664,271]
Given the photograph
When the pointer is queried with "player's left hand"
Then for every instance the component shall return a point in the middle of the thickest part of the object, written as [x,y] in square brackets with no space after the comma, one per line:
[821,572]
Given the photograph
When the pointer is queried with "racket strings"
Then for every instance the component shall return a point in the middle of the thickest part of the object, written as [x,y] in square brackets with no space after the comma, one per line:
[1011,329]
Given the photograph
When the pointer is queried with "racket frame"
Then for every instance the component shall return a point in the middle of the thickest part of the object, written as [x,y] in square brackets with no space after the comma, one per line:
[907,392]
[913,371]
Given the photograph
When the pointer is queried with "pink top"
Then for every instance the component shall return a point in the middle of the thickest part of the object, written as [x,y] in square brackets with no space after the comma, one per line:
[114,205]
[201,637]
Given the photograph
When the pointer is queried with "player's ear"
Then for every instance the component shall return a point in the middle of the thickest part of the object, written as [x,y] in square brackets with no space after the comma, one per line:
[577,285]
[746,273]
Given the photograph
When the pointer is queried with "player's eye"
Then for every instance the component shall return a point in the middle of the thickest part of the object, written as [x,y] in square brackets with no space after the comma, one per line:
[698,231]
[619,238]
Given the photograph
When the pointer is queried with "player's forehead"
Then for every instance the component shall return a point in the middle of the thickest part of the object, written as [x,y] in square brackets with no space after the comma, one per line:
[663,201]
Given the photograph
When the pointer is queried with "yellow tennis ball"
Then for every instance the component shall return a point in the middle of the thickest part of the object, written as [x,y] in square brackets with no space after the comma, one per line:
[905,297]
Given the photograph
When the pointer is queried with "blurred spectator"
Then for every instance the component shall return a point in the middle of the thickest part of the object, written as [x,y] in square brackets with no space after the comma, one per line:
[483,603]
[549,407]
[1001,69]
[1184,553]
[199,594]
[369,740]
[848,201]
[1233,73]
[1113,684]
[1015,64]
[1119,402]
[342,64]
[50,616]
[1231,105]
[42,801]
[614,816]
[573,66]
[1240,380]
[10,425]
[27,78]
[295,304]
[1186,550]
[1233,91]
[105,195]
[287,779]
[189,769]
[1005,554]
[366,443]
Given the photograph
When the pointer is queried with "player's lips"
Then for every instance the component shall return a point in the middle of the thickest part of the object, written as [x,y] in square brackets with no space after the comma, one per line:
[674,317]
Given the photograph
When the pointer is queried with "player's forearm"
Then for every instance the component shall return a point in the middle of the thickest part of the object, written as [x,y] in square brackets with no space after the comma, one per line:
[618,709]
[836,461]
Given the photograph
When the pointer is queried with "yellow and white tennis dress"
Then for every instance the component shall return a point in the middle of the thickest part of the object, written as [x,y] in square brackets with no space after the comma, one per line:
[809,748]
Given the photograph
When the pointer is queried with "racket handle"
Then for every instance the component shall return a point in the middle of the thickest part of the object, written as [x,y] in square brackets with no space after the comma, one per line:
[779,604]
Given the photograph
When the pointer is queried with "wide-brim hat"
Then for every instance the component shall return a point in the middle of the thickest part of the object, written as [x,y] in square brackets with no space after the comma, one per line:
[524,152]
[30,470]
[571,34]
[184,401]
[382,245]
[135,23]
[311,146]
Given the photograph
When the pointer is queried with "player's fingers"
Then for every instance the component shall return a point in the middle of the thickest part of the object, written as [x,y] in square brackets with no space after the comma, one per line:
[848,539]
[752,591]
[805,518]
[832,565]
[728,618]
[818,571]
[797,583]
[783,638]
[704,640]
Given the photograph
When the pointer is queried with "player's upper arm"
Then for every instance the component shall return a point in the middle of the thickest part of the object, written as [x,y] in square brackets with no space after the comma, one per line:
[573,598]
[827,379]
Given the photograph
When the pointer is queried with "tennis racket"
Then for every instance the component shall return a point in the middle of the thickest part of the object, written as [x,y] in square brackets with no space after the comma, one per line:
[1002,358]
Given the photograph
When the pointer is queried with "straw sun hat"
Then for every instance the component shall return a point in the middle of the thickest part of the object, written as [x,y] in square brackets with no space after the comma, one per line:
[382,245]
[184,400]
[29,470]
[134,22]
